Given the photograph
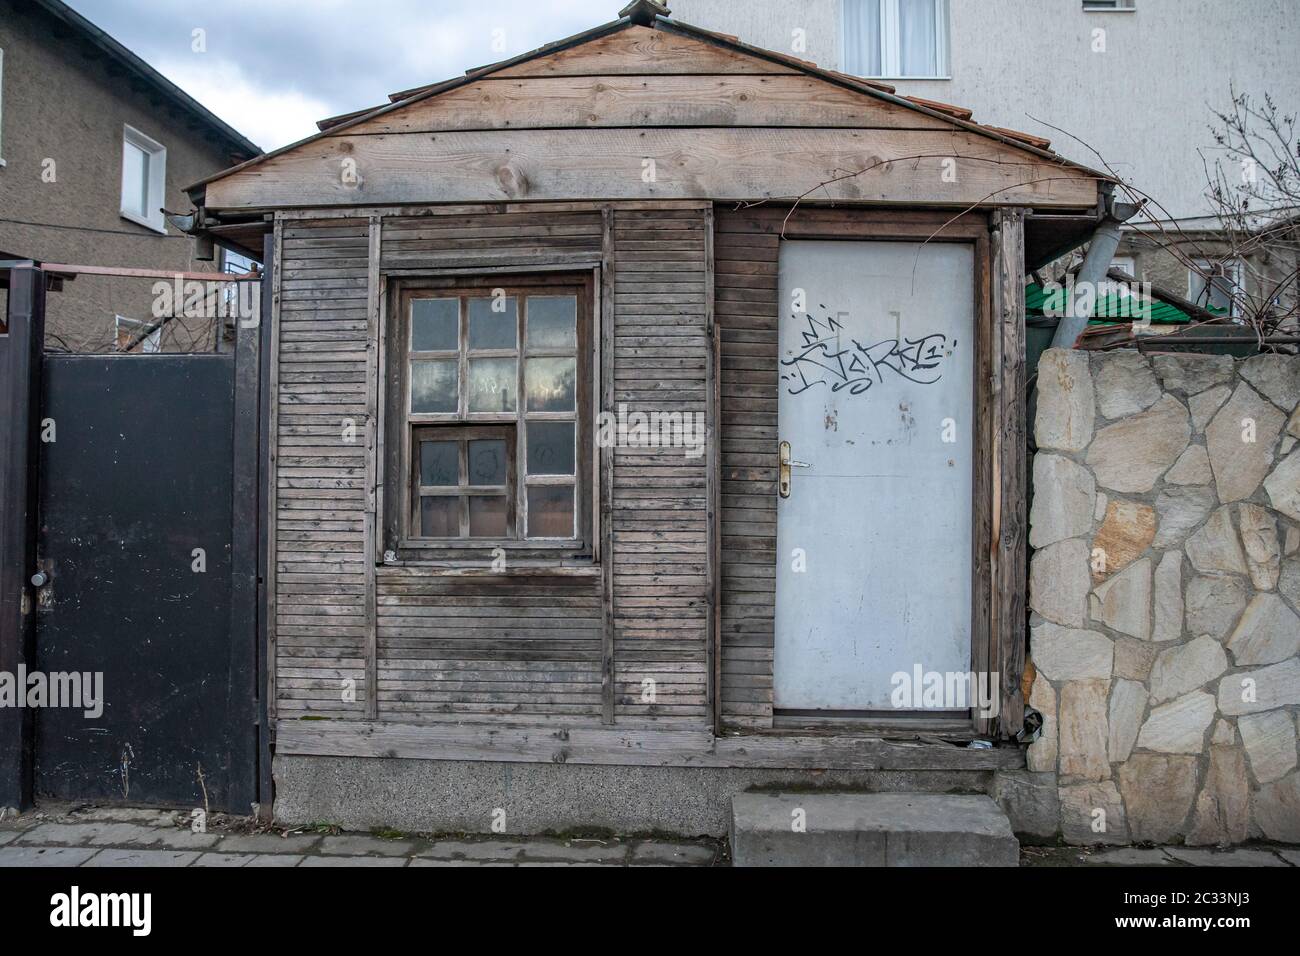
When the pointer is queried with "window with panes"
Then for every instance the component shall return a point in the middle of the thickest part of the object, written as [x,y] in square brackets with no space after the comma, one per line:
[490,383]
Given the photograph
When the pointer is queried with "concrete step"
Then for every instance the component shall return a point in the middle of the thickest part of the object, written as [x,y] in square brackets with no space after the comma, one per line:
[870,829]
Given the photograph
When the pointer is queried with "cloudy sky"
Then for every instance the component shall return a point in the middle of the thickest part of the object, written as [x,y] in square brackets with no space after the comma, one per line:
[273,67]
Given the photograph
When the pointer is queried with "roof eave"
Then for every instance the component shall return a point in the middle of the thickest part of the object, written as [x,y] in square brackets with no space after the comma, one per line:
[423,93]
[104,42]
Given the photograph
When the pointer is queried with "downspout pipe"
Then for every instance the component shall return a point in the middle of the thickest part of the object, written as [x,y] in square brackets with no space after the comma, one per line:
[1096,263]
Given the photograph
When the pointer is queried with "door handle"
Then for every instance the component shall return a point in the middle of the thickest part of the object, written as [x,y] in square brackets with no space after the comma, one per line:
[783,475]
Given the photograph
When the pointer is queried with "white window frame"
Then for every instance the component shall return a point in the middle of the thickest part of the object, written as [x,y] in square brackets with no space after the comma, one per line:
[230,290]
[1125,263]
[1232,269]
[150,344]
[157,154]
[890,43]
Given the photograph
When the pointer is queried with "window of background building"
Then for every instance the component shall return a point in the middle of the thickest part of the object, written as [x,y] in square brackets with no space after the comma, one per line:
[144,179]
[896,38]
[1216,284]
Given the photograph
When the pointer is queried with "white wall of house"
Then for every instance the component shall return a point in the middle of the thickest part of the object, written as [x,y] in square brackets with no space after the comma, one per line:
[1140,93]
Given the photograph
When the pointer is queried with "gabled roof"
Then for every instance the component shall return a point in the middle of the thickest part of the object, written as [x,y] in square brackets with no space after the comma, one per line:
[647,13]
[104,44]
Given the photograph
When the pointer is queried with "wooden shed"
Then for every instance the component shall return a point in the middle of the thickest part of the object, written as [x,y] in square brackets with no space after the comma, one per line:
[651,399]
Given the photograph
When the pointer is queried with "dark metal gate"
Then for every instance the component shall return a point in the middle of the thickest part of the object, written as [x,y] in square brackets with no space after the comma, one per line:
[141,578]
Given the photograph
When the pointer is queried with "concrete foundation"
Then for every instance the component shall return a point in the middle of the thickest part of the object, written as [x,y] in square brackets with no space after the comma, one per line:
[527,798]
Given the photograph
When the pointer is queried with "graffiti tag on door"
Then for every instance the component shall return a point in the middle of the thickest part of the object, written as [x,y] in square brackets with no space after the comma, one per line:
[824,359]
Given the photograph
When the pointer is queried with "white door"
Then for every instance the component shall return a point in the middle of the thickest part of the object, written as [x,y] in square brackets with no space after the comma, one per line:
[874,541]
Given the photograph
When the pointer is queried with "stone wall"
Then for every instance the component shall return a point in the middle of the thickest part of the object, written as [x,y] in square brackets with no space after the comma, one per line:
[1165,596]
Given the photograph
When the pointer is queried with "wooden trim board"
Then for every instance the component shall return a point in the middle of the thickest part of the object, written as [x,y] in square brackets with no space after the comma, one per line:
[514,743]
[898,167]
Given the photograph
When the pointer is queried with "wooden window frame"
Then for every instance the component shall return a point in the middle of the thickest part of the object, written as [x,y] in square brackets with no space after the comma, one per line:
[464,489]
[400,545]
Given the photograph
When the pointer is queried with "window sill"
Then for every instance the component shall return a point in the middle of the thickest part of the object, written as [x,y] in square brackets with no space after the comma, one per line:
[487,545]
[159,227]
[531,568]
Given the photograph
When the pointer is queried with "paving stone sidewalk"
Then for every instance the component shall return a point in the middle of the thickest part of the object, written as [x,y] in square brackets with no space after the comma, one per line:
[1160,856]
[113,837]
[108,837]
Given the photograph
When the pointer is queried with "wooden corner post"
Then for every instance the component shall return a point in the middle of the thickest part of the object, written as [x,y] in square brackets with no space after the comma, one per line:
[1010,524]
[21,344]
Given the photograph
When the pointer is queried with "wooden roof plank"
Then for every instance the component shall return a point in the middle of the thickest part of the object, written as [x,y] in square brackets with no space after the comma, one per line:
[641,100]
[613,60]
[901,166]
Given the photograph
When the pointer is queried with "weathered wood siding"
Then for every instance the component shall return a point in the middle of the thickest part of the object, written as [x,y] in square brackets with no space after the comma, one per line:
[452,645]
[745,278]
[496,644]
[320,498]
[660,510]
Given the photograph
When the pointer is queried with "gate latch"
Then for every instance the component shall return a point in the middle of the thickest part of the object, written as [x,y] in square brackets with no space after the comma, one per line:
[783,475]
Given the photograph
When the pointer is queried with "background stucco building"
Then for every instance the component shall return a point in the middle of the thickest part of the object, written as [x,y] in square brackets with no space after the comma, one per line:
[92,142]
[1133,83]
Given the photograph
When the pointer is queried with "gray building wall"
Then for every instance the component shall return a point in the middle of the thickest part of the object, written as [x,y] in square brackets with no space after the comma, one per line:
[60,104]
[1144,103]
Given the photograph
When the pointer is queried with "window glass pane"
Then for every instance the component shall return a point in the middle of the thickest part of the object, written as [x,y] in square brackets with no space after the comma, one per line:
[440,517]
[493,323]
[439,463]
[862,37]
[1221,289]
[487,516]
[550,511]
[1217,290]
[433,386]
[492,384]
[552,322]
[487,461]
[135,180]
[550,448]
[917,38]
[434,324]
[551,384]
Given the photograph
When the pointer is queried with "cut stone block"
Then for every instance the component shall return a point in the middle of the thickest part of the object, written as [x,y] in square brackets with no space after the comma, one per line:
[1132,453]
[1240,441]
[1066,406]
[1125,383]
[1064,493]
[1268,632]
[870,829]
[1127,531]
[1215,546]
[1191,373]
